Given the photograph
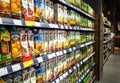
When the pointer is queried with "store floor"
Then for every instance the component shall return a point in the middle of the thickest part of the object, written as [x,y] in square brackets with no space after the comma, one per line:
[112,70]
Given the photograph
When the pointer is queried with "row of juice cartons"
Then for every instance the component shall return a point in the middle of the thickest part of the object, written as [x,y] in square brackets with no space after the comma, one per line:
[17,42]
[46,72]
[43,11]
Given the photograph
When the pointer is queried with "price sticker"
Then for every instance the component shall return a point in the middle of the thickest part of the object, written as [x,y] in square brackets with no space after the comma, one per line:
[16,67]
[70,49]
[3,71]
[29,23]
[65,51]
[78,65]
[61,77]
[57,80]
[74,28]
[58,53]
[17,22]
[70,71]
[37,24]
[61,26]
[61,53]
[53,54]
[70,27]
[1,21]
[28,63]
[82,45]
[50,56]
[74,67]
[74,48]
[40,59]
[53,25]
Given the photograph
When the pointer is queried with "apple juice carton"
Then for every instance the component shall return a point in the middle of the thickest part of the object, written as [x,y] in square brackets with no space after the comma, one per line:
[43,72]
[37,73]
[36,42]
[26,76]
[47,10]
[32,75]
[4,8]
[5,45]
[36,9]
[46,42]
[41,41]
[30,42]
[15,45]
[42,10]
[16,9]
[17,77]
[51,37]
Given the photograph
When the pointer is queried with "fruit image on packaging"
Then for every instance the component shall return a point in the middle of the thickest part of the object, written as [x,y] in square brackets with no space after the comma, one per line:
[47,11]
[4,8]
[42,10]
[46,42]
[51,41]
[24,9]
[32,75]
[36,9]
[16,8]
[43,72]
[17,77]
[26,76]
[5,44]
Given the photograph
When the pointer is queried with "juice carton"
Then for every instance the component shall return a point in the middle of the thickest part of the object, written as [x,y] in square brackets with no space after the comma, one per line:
[46,42]
[5,45]
[59,65]
[26,76]
[51,37]
[17,77]
[41,41]
[37,73]
[52,65]
[32,75]
[16,9]
[7,79]
[15,44]
[43,72]
[65,15]
[51,12]
[30,42]
[56,40]
[55,68]
[30,10]
[42,10]
[36,9]
[47,10]
[77,37]
[64,62]
[4,8]
[48,71]
[36,42]
[59,40]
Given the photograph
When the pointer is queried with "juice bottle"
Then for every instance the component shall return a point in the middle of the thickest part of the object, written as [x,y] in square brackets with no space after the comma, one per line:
[46,42]
[5,45]
[41,41]
[42,10]
[16,9]
[15,45]
[36,9]
[4,8]
[36,42]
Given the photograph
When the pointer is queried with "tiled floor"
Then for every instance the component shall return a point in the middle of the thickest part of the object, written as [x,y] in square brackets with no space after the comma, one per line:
[112,70]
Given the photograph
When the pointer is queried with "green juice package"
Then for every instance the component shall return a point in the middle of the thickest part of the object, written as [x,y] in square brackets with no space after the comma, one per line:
[5,45]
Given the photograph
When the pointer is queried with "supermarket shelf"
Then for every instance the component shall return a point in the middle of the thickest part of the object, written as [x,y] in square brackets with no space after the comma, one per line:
[106,41]
[16,22]
[71,70]
[86,72]
[93,79]
[105,24]
[107,33]
[106,49]
[106,59]
[77,9]
[85,59]
[19,66]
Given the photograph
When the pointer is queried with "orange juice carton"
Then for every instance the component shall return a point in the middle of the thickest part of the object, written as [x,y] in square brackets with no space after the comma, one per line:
[30,38]
[15,44]
[5,45]
[26,76]
[36,42]
[46,42]
[42,10]
[16,9]
[47,10]
[32,75]
[4,8]
[36,9]
[41,41]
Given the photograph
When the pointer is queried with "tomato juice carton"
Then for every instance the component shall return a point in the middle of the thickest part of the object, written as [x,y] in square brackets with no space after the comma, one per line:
[15,45]
[32,75]
[4,8]
[17,77]
[42,10]
[46,42]
[26,76]
[41,41]
[5,46]
[42,72]
[16,9]
[47,11]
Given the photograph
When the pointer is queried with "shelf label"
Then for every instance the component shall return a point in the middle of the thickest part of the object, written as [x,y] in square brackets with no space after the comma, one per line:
[17,22]
[74,67]
[70,71]
[3,71]
[74,48]
[37,24]
[16,67]
[82,45]
[66,27]
[29,23]
[50,56]
[78,65]
[53,54]
[1,21]
[70,49]
[57,80]
[64,75]
[61,26]
[61,77]
[40,59]
[70,27]
[28,63]
[53,25]
[65,51]
[74,28]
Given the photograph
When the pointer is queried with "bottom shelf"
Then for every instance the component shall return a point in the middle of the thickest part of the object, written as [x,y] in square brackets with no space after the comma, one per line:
[105,60]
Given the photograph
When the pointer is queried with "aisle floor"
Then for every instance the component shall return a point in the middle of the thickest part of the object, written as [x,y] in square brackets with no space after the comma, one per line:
[112,70]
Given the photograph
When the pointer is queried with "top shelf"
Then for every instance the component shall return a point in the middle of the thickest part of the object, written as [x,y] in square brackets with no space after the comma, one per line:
[77,9]
[105,24]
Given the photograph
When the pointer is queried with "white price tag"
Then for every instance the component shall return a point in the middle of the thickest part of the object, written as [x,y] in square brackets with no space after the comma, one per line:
[61,26]
[82,45]
[74,48]
[1,21]
[64,75]
[74,28]
[81,63]
[53,25]
[61,77]
[58,53]
[3,71]
[66,27]
[70,49]
[65,51]
[17,22]
[79,80]
[57,80]
[74,67]
[78,28]
[78,65]
[37,24]
[61,53]
[70,27]
[70,71]
[40,59]
[50,56]
[53,54]
[16,67]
